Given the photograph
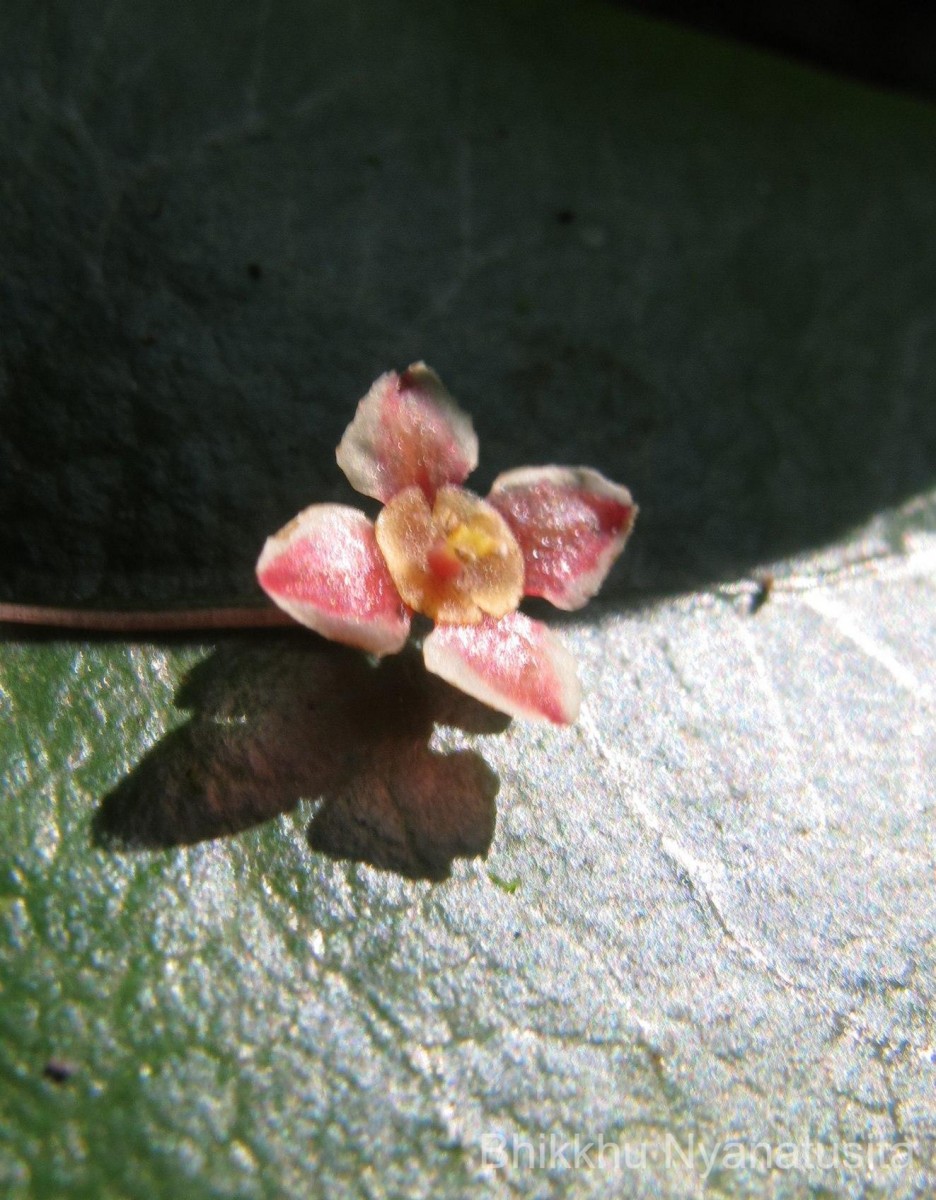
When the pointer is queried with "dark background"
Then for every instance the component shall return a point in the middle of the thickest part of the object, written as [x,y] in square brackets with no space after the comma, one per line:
[887,44]
[706,272]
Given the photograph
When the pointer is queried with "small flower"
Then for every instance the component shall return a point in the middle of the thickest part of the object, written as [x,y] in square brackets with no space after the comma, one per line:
[439,550]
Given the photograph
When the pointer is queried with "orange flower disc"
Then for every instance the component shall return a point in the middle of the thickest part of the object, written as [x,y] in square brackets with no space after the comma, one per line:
[455,561]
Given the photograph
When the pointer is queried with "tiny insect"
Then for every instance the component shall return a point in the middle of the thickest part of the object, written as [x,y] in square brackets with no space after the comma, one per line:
[765,587]
[58,1071]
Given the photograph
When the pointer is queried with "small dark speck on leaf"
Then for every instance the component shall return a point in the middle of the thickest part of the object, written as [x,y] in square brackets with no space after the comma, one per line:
[565,216]
[516,934]
[58,1071]
[254,270]
[506,885]
[759,598]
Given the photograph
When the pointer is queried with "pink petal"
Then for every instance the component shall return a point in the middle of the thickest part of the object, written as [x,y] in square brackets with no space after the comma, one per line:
[513,664]
[324,568]
[407,430]
[571,524]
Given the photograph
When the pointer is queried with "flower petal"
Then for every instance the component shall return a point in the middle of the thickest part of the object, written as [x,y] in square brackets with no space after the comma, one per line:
[513,664]
[407,430]
[324,568]
[571,524]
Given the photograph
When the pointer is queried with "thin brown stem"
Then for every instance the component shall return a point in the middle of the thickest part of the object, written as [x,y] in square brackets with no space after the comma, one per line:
[95,620]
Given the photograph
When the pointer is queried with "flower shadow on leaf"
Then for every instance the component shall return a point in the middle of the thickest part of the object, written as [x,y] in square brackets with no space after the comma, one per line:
[277,721]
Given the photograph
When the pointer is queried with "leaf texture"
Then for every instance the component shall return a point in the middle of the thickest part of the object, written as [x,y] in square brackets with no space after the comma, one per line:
[251,938]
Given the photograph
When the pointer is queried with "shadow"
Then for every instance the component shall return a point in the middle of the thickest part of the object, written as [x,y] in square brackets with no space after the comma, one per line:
[889,45]
[281,719]
[707,274]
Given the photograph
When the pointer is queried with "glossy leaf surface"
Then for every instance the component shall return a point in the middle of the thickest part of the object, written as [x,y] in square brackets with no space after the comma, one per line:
[704,272]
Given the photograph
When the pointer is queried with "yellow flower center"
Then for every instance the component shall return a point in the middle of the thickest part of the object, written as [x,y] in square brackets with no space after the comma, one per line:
[455,561]
[471,542]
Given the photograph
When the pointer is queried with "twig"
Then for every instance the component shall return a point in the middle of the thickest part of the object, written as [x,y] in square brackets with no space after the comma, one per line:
[95,620]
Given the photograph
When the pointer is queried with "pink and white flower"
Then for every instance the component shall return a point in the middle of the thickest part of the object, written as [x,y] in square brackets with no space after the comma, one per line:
[438,549]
